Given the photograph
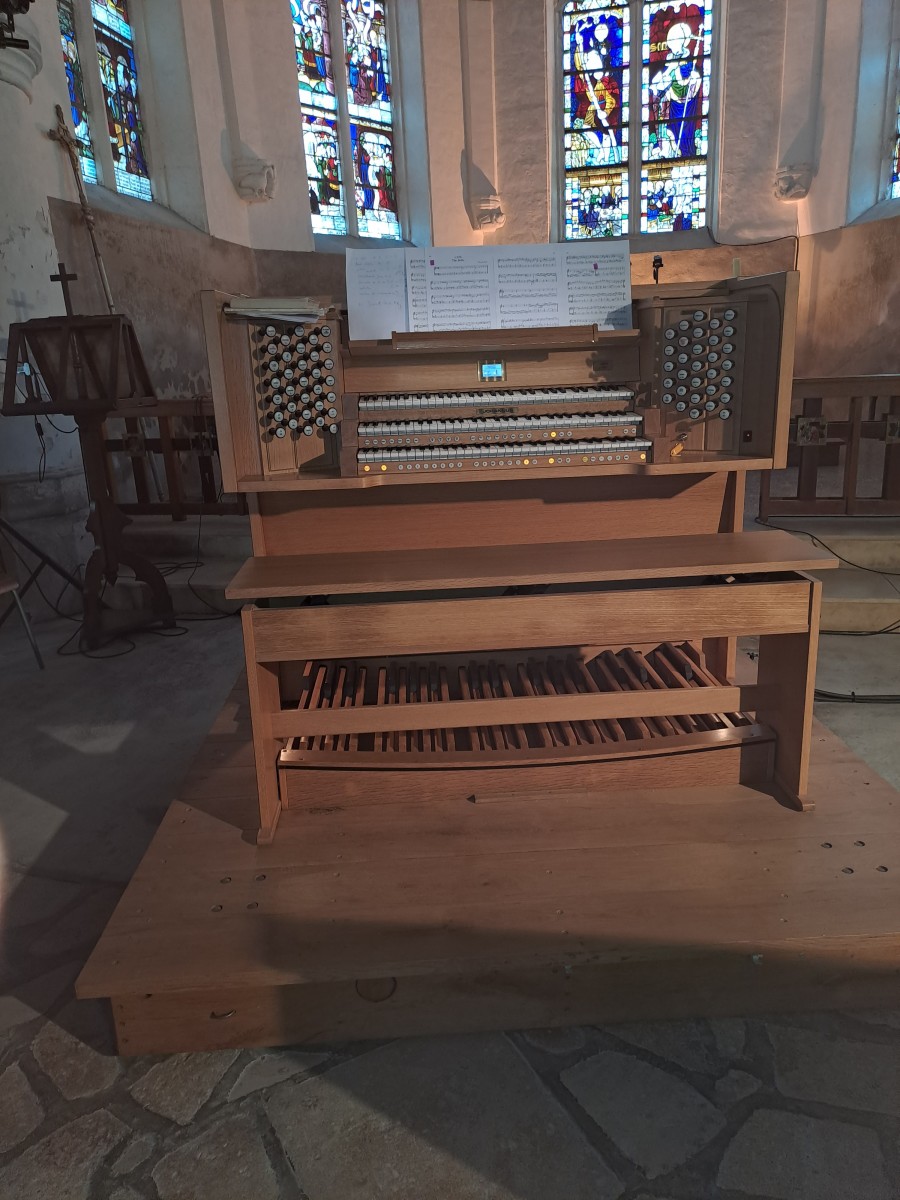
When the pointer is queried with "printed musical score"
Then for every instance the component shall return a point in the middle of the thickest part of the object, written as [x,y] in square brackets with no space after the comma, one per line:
[488,287]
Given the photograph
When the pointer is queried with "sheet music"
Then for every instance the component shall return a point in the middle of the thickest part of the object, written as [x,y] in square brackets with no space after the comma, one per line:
[376,293]
[528,293]
[595,285]
[416,292]
[462,291]
[488,287]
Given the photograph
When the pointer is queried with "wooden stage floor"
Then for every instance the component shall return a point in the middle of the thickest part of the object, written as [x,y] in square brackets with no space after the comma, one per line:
[516,911]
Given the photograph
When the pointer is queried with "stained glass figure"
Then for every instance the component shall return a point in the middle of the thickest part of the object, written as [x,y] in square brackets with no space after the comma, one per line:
[319,108]
[118,73]
[362,200]
[376,196]
[596,84]
[596,204]
[673,197]
[653,178]
[320,140]
[368,66]
[675,114]
[75,80]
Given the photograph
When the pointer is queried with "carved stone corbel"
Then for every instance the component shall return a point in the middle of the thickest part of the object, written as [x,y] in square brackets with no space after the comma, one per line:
[254,179]
[793,182]
[486,213]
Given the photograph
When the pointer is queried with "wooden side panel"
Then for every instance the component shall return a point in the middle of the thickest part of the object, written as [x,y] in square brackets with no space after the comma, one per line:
[787,679]
[844,974]
[265,701]
[233,389]
[492,513]
[450,626]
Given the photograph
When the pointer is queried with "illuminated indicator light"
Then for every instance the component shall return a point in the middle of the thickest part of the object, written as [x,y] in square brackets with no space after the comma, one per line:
[643,458]
[584,458]
[553,434]
[553,460]
[384,466]
[367,468]
[526,461]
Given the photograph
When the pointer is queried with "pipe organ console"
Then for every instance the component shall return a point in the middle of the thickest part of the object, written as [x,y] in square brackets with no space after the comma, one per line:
[496,561]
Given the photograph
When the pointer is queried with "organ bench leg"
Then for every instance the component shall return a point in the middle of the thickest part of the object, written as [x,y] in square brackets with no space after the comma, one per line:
[265,699]
[787,680]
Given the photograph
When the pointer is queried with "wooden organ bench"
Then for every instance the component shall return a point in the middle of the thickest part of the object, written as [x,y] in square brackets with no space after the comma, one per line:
[492,561]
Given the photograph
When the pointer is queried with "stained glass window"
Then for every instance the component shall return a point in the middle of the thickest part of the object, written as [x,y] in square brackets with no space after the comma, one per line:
[75,80]
[345,86]
[895,162]
[118,73]
[623,172]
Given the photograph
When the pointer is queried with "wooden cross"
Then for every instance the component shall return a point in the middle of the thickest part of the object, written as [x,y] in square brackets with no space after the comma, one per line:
[63,278]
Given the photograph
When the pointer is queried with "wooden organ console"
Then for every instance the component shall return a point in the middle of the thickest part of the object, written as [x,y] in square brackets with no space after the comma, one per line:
[497,562]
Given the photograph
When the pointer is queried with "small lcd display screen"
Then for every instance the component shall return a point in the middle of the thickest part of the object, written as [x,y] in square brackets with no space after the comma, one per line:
[492,372]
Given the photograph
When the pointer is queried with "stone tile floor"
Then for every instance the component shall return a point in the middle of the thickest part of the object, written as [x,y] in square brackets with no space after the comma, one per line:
[799,1108]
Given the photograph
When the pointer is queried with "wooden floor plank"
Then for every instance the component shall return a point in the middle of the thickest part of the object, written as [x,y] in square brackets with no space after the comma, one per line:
[446,887]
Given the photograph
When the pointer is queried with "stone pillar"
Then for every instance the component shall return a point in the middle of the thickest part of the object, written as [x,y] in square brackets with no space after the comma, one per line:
[50,512]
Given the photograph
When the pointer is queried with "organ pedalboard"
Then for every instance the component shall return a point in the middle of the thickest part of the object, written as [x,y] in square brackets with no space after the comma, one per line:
[531,615]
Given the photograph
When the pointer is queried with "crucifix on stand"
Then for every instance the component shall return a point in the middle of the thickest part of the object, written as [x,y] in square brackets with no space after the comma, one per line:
[63,278]
[82,366]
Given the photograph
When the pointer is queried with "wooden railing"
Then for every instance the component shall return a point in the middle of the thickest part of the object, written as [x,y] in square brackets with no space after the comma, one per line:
[837,429]
[163,458]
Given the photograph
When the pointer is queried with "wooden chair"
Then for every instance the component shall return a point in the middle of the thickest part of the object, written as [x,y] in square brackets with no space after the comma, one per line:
[8,584]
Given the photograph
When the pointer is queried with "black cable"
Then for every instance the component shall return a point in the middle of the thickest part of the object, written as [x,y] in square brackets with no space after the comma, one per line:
[42,461]
[37,583]
[785,237]
[57,428]
[826,697]
[818,541]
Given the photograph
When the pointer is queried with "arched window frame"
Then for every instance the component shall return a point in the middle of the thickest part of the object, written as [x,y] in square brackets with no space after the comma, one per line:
[891,187]
[87,44]
[342,118]
[683,239]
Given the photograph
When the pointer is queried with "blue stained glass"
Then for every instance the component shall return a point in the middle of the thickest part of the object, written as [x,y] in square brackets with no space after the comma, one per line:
[118,73]
[376,196]
[318,106]
[895,166]
[312,44]
[675,82]
[368,64]
[363,200]
[326,199]
[673,197]
[75,80]
[113,15]
[660,84]
[596,204]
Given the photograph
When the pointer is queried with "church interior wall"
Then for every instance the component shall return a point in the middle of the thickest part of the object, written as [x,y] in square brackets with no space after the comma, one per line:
[850,300]
[230,81]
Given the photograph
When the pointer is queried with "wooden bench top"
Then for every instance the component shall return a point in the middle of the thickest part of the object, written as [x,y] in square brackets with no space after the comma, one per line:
[768,551]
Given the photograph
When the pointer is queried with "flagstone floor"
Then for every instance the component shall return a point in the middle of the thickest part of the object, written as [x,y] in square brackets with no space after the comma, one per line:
[799,1108]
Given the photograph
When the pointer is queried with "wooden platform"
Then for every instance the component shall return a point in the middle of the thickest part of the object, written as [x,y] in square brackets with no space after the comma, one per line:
[513,911]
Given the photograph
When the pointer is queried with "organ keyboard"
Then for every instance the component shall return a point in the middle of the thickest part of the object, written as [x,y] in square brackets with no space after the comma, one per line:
[571,598]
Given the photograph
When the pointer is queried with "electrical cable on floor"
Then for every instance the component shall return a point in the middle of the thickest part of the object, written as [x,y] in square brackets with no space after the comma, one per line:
[818,541]
[888,576]
[826,697]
